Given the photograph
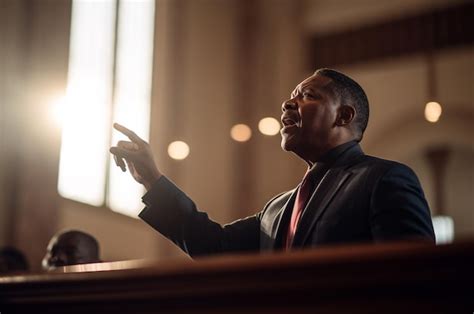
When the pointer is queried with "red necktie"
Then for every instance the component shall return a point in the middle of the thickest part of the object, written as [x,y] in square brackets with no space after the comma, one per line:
[302,197]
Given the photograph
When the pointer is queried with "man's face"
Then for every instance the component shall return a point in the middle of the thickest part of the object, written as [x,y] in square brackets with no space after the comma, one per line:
[63,251]
[309,118]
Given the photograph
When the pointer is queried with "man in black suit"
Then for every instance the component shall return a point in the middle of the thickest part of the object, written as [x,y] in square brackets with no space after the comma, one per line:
[345,197]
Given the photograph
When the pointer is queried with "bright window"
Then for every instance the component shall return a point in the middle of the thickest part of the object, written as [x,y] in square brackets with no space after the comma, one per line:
[109,79]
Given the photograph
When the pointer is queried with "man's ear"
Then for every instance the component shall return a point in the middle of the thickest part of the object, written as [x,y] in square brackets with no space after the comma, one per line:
[346,114]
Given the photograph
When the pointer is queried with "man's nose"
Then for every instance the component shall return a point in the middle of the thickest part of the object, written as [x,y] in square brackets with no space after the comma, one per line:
[289,105]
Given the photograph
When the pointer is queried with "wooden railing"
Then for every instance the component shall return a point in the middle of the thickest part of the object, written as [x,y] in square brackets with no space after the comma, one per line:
[389,278]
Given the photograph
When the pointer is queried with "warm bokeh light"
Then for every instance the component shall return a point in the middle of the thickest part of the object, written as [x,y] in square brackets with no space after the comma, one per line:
[433,111]
[269,126]
[241,133]
[178,150]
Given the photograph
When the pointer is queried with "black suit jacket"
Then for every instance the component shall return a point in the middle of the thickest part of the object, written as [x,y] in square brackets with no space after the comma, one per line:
[360,199]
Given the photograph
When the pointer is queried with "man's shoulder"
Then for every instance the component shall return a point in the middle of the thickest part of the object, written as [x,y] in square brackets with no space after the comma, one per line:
[280,198]
[379,166]
[277,202]
[379,163]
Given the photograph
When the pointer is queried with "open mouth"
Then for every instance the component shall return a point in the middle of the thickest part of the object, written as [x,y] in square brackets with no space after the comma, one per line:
[289,122]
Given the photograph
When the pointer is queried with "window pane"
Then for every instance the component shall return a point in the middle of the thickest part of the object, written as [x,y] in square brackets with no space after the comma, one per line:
[86,129]
[132,93]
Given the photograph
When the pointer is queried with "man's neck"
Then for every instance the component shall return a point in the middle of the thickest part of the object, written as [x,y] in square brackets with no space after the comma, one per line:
[331,154]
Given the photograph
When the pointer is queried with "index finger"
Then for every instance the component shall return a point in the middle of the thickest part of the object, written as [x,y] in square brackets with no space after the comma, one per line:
[129,133]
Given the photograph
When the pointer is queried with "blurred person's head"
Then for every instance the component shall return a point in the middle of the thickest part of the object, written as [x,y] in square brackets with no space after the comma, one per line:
[12,260]
[325,110]
[71,248]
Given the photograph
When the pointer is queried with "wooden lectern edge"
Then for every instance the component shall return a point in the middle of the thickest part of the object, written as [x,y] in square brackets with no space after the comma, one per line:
[326,255]
[401,277]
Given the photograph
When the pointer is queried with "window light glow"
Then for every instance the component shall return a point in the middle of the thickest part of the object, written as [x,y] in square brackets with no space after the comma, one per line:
[86,125]
[240,133]
[269,126]
[444,229]
[87,112]
[132,96]
[58,110]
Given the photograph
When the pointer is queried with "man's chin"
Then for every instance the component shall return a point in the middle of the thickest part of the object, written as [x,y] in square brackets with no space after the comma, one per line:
[287,144]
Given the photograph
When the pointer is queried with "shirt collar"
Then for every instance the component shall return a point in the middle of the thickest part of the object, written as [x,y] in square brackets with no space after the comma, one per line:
[331,156]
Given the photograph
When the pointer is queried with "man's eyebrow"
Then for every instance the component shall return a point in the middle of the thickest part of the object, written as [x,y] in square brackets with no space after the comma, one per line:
[300,88]
[326,88]
[312,88]
[309,87]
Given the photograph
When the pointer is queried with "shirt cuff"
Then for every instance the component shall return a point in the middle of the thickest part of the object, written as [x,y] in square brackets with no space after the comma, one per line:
[153,192]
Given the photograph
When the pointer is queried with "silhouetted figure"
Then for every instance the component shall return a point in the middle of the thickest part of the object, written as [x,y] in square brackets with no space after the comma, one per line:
[71,248]
[12,260]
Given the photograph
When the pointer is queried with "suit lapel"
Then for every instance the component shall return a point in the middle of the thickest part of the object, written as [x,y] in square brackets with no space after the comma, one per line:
[320,199]
[284,220]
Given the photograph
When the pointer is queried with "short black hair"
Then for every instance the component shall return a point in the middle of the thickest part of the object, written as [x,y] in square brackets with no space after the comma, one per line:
[349,91]
[89,244]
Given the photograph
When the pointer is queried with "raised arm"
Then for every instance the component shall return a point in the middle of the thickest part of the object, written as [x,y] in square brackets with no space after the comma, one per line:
[169,211]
